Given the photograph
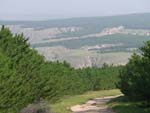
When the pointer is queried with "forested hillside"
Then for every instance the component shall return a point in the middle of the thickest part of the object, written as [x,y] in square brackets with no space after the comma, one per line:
[25,76]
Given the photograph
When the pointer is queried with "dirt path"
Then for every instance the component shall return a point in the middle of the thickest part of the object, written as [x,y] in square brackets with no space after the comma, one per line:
[97,105]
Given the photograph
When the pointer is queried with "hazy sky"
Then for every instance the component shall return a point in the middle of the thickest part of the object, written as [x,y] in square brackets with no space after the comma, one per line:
[49,9]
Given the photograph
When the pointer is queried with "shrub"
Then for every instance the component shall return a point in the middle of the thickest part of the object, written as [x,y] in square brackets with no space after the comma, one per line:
[40,107]
[135,77]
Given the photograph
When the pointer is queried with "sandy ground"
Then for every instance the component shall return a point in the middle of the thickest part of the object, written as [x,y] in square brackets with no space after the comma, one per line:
[97,105]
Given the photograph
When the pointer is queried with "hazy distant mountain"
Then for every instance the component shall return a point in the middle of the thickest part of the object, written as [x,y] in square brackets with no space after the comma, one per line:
[131,21]
[92,24]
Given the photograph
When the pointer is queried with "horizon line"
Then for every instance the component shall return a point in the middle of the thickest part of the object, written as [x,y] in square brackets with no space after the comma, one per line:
[67,18]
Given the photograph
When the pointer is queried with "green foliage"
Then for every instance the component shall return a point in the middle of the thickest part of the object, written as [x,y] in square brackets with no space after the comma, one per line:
[135,77]
[25,76]
[123,105]
[100,78]
[20,86]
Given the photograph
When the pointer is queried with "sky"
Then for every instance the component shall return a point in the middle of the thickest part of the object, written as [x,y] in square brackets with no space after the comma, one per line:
[51,9]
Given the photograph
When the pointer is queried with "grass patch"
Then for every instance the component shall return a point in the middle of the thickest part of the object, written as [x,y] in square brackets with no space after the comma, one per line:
[64,105]
[122,105]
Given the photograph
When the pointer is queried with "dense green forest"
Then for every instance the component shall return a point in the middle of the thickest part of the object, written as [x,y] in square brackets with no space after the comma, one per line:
[25,76]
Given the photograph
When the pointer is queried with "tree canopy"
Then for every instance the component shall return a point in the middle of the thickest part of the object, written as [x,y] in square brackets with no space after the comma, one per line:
[135,77]
[26,77]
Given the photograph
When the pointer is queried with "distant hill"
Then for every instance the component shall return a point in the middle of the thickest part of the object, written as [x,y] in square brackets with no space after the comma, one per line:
[92,24]
[83,21]
[86,41]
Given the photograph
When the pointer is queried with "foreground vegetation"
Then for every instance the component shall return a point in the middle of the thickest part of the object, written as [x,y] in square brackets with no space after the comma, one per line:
[135,84]
[65,103]
[135,76]
[123,105]
[26,78]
